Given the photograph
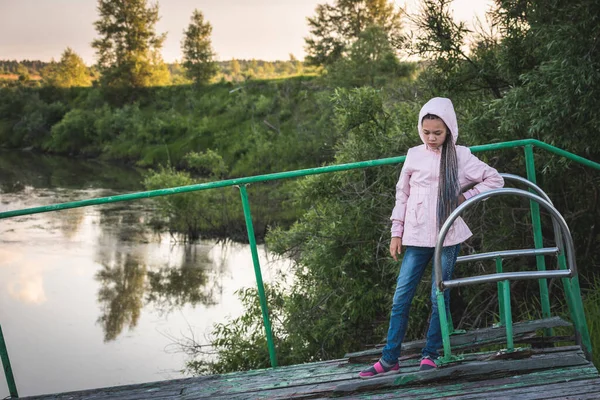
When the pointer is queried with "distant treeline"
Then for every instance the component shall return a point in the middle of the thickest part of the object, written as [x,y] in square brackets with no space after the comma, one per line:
[231,70]
[33,67]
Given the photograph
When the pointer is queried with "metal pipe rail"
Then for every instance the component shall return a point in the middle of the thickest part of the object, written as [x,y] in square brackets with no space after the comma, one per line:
[508,254]
[540,192]
[539,252]
[518,253]
[284,175]
[503,276]
[568,275]
[495,193]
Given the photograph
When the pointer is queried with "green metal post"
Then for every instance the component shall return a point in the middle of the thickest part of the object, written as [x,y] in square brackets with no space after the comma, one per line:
[451,330]
[537,236]
[450,323]
[573,295]
[257,272]
[510,346]
[581,324]
[500,295]
[562,264]
[444,326]
[10,379]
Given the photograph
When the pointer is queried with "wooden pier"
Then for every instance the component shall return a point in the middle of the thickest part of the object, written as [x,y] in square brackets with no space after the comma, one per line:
[535,372]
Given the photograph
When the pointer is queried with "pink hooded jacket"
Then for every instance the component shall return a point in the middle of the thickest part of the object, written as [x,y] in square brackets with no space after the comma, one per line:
[414,217]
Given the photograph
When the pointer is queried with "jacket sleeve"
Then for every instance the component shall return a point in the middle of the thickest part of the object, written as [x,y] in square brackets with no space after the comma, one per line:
[485,177]
[402,193]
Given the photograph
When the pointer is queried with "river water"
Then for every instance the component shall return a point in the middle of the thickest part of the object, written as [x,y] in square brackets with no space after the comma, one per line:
[92,297]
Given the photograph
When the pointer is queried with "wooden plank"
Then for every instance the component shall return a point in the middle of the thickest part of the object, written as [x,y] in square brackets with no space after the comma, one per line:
[289,387]
[98,394]
[559,390]
[591,396]
[322,377]
[415,352]
[298,384]
[481,336]
[315,378]
[304,373]
[154,390]
[286,377]
[461,390]
[433,391]
[476,369]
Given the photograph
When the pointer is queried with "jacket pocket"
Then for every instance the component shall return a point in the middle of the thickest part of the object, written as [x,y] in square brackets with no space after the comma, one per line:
[420,212]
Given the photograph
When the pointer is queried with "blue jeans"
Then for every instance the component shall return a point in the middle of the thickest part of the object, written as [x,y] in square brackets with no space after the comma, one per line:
[413,266]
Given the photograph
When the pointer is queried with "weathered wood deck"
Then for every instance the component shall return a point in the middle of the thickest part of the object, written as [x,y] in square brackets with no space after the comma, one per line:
[538,373]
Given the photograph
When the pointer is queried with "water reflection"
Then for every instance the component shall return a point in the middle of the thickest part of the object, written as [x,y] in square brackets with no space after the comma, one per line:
[91,296]
[28,284]
[171,288]
[127,285]
[68,222]
[120,294]
[19,169]
[135,274]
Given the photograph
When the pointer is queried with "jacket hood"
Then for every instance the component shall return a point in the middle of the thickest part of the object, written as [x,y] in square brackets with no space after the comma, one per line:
[444,109]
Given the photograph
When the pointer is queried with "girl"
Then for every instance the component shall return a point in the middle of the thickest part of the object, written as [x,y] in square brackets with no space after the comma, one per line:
[428,190]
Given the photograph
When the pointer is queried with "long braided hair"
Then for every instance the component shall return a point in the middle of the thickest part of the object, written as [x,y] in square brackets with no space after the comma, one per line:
[449,186]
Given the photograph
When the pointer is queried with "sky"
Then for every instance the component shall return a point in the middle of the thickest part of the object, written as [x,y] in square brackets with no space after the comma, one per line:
[243,29]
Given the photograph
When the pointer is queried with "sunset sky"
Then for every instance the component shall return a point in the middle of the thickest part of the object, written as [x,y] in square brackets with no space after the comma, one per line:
[243,29]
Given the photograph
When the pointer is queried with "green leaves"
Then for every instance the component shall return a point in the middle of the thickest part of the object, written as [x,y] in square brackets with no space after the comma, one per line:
[371,61]
[336,27]
[208,163]
[68,72]
[128,48]
[198,56]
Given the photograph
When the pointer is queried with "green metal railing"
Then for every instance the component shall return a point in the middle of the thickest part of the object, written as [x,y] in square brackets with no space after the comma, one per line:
[527,144]
[568,275]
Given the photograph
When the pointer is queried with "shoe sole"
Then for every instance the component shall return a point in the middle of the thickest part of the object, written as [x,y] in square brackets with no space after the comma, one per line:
[380,374]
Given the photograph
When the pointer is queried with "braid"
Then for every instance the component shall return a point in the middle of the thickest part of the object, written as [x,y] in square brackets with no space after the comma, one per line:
[449,186]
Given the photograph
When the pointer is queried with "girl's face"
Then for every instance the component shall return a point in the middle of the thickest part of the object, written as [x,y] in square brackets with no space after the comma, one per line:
[435,132]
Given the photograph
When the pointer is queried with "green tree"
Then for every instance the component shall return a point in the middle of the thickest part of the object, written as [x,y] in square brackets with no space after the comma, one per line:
[23,73]
[335,27]
[128,49]
[371,61]
[296,64]
[540,63]
[463,62]
[197,51]
[178,74]
[69,71]
[236,70]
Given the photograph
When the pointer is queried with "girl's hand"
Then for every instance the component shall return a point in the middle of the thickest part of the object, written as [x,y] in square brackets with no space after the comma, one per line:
[461,199]
[395,247]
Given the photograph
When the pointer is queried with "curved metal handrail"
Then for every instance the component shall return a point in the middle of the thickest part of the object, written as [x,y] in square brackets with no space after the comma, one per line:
[528,183]
[517,253]
[566,234]
[531,185]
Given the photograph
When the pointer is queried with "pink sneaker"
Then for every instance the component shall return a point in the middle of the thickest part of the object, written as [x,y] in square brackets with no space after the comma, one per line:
[427,364]
[378,369]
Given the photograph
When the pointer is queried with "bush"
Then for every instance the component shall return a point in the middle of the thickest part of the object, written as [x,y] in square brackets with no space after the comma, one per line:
[76,134]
